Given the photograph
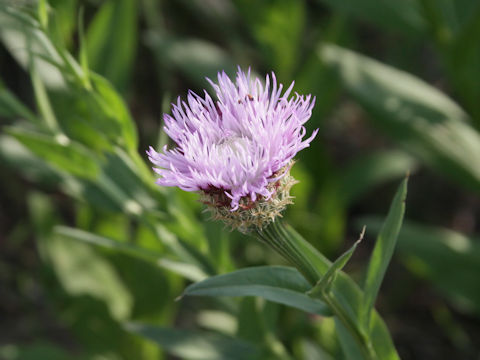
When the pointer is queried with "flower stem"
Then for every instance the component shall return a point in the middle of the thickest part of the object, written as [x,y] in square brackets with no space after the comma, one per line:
[301,254]
[276,236]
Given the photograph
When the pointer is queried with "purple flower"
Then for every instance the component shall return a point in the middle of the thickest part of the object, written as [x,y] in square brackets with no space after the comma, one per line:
[237,147]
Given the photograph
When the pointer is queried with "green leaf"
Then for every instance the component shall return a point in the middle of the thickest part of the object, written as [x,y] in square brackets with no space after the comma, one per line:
[382,252]
[341,190]
[278,27]
[217,320]
[114,107]
[349,297]
[249,319]
[422,119]
[279,284]
[83,56]
[326,281]
[447,259]
[10,106]
[463,56]
[312,351]
[42,9]
[82,271]
[60,152]
[22,36]
[349,347]
[404,16]
[119,167]
[18,157]
[195,58]
[186,270]
[63,22]
[196,345]
[183,250]
[39,350]
[111,40]
[42,99]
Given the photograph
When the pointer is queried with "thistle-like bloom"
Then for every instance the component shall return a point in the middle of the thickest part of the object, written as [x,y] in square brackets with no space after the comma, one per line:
[237,150]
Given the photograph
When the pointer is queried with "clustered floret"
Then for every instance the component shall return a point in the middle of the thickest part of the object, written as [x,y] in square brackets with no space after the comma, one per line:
[237,149]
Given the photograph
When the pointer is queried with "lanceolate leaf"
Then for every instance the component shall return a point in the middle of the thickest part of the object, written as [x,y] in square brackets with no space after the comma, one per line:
[82,271]
[325,283]
[404,15]
[450,260]
[114,108]
[279,284]
[197,345]
[111,40]
[10,106]
[60,152]
[186,270]
[421,118]
[382,253]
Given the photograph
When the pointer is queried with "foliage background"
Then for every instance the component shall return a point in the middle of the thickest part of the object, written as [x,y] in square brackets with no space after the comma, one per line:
[73,168]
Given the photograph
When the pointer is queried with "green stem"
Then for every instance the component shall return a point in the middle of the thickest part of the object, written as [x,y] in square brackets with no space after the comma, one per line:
[361,339]
[292,248]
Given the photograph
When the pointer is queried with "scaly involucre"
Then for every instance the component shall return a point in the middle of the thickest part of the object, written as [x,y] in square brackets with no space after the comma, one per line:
[237,145]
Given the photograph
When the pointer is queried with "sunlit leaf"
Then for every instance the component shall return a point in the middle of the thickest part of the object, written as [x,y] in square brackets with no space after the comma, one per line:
[111,40]
[196,345]
[60,152]
[278,27]
[425,121]
[114,107]
[81,271]
[23,37]
[189,271]
[195,58]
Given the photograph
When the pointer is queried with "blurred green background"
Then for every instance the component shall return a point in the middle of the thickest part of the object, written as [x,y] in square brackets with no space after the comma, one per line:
[88,242]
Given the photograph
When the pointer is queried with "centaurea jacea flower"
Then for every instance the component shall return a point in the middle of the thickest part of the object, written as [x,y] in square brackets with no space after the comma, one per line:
[237,150]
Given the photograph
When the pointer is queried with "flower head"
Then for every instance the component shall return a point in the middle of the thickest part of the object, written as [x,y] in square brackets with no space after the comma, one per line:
[236,150]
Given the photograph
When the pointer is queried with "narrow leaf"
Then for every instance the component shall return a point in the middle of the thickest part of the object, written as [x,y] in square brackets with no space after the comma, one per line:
[111,40]
[114,107]
[196,345]
[60,152]
[83,57]
[195,58]
[186,270]
[449,260]
[348,295]
[279,284]
[421,118]
[404,16]
[325,283]
[11,106]
[82,271]
[382,252]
